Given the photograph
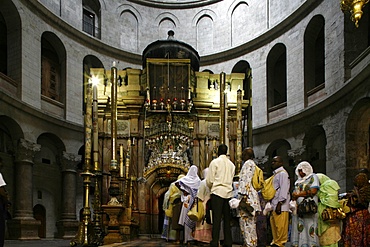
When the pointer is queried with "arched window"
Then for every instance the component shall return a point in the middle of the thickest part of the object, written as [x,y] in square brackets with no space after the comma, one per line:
[91,17]
[276,78]
[244,67]
[89,62]
[3,46]
[52,67]
[314,59]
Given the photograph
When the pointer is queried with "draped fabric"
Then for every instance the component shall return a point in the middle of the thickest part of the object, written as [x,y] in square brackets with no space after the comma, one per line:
[329,232]
[172,193]
[203,230]
[356,231]
[328,192]
[363,189]
[190,184]
[304,229]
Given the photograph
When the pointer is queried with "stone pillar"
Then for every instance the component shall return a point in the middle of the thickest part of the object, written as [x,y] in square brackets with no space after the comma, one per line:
[68,225]
[24,226]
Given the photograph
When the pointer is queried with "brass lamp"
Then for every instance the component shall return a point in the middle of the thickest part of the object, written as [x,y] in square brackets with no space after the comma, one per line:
[354,7]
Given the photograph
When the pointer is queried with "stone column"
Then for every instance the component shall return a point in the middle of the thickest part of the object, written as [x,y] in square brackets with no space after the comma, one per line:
[68,225]
[24,226]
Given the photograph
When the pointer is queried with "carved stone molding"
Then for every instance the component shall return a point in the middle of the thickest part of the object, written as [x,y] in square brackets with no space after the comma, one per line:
[293,153]
[26,151]
[69,161]
[261,161]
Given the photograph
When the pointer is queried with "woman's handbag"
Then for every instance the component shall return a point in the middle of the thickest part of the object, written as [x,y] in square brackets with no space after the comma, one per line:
[245,206]
[307,206]
[332,214]
[196,213]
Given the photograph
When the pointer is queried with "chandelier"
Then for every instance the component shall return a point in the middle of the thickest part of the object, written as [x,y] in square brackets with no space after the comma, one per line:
[354,7]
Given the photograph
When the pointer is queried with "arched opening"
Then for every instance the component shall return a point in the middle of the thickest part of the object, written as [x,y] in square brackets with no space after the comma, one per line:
[358,139]
[314,59]
[91,17]
[244,67]
[280,148]
[315,142]
[10,43]
[53,67]
[39,213]
[276,82]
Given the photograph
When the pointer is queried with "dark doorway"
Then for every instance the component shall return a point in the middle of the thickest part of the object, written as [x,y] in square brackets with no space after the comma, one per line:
[39,213]
[160,213]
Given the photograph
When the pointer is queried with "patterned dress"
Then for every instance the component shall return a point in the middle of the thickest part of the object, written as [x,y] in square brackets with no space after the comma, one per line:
[304,227]
[247,220]
[356,231]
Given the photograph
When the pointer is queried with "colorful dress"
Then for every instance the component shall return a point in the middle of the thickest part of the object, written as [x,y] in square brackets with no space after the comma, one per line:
[329,232]
[304,227]
[247,220]
[203,231]
[356,231]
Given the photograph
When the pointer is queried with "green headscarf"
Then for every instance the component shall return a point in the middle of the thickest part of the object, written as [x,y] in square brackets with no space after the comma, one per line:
[328,193]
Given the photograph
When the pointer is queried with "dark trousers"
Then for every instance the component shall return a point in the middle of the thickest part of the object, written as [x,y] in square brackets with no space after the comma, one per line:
[2,226]
[221,209]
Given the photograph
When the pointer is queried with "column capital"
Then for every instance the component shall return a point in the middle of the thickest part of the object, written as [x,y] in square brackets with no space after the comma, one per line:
[26,150]
[296,152]
[69,161]
[261,161]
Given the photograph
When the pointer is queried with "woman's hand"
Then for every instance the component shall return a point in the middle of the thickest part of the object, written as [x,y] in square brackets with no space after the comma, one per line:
[295,195]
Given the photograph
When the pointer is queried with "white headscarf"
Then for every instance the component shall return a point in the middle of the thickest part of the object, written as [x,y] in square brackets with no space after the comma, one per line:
[306,169]
[191,179]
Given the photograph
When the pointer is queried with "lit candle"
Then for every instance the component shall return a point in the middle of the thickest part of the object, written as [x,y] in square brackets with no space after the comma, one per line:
[114,64]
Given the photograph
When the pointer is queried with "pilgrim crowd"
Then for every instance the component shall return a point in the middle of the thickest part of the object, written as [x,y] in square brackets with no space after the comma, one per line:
[248,209]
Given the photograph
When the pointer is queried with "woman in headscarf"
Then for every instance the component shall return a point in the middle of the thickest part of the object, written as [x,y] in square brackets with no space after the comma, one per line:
[356,231]
[203,230]
[328,231]
[304,227]
[172,205]
[189,186]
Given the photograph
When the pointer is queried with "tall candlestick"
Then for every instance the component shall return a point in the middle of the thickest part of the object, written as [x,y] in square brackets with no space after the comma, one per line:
[128,158]
[88,124]
[239,131]
[95,129]
[121,161]
[114,112]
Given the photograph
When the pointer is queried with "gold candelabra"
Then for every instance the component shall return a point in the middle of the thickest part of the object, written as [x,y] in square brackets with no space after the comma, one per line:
[354,7]
[86,233]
